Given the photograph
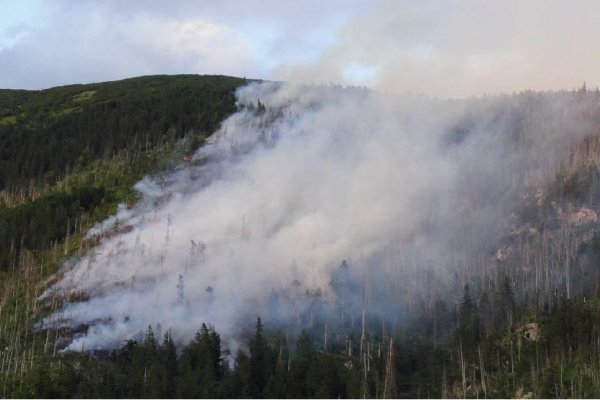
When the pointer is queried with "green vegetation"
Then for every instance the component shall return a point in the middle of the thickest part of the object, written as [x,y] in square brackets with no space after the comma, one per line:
[69,155]
[49,134]
[66,111]
[8,120]
[55,151]
[85,95]
[557,356]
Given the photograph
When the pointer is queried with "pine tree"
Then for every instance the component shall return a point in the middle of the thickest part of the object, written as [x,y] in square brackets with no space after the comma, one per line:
[303,357]
[168,358]
[260,362]
[277,385]
[200,367]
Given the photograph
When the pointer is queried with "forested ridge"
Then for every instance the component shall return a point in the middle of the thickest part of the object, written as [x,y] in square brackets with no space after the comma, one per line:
[526,325]
[70,154]
[50,133]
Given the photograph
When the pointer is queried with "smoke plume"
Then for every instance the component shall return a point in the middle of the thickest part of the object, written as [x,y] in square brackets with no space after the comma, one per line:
[317,200]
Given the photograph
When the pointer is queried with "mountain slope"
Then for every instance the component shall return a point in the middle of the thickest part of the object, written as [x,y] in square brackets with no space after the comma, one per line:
[490,292]
[68,156]
[50,133]
[100,137]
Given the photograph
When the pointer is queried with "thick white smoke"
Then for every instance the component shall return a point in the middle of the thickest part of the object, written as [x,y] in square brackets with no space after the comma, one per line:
[300,179]
[460,49]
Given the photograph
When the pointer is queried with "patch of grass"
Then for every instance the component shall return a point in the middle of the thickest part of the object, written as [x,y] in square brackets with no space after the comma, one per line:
[10,120]
[65,111]
[83,96]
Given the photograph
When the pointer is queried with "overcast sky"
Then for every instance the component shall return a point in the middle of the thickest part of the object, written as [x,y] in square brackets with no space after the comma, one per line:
[445,48]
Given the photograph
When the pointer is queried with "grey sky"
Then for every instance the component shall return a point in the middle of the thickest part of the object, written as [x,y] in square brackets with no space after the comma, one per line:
[45,43]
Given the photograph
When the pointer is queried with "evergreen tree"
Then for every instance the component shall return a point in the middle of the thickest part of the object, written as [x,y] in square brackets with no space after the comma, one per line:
[200,365]
[301,363]
[259,362]
[168,359]
[277,385]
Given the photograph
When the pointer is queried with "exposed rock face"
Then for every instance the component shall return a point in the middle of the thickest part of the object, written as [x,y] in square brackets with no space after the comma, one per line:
[531,332]
[503,253]
[520,394]
[540,197]
[582,216]
[527,229]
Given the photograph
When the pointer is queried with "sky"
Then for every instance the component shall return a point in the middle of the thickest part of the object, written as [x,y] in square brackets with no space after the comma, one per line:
[442,48]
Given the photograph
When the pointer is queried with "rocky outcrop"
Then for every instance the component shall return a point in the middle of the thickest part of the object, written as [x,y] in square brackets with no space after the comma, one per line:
[531,332]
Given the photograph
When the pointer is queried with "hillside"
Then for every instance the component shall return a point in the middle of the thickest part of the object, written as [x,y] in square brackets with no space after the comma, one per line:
[68,156]
[68,150]
[485,284]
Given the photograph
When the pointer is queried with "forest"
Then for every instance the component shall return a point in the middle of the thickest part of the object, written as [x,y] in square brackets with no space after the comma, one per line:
[69,152]
[522,323]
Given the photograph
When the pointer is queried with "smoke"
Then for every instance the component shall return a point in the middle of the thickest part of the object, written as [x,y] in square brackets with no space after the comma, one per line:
[316,199]
[462,48]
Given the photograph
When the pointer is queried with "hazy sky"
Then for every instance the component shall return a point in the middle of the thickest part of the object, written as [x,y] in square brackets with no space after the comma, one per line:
[446,48]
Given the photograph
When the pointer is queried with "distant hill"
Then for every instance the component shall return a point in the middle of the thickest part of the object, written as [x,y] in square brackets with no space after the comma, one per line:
[50,133]
[69,154]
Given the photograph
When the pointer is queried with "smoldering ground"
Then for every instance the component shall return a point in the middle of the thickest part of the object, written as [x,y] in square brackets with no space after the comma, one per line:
[319,202]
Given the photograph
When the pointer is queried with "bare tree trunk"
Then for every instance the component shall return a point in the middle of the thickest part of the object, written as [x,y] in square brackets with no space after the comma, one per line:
[462,369]
[482,370]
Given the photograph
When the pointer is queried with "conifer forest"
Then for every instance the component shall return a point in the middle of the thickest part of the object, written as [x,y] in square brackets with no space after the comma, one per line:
[195,236]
